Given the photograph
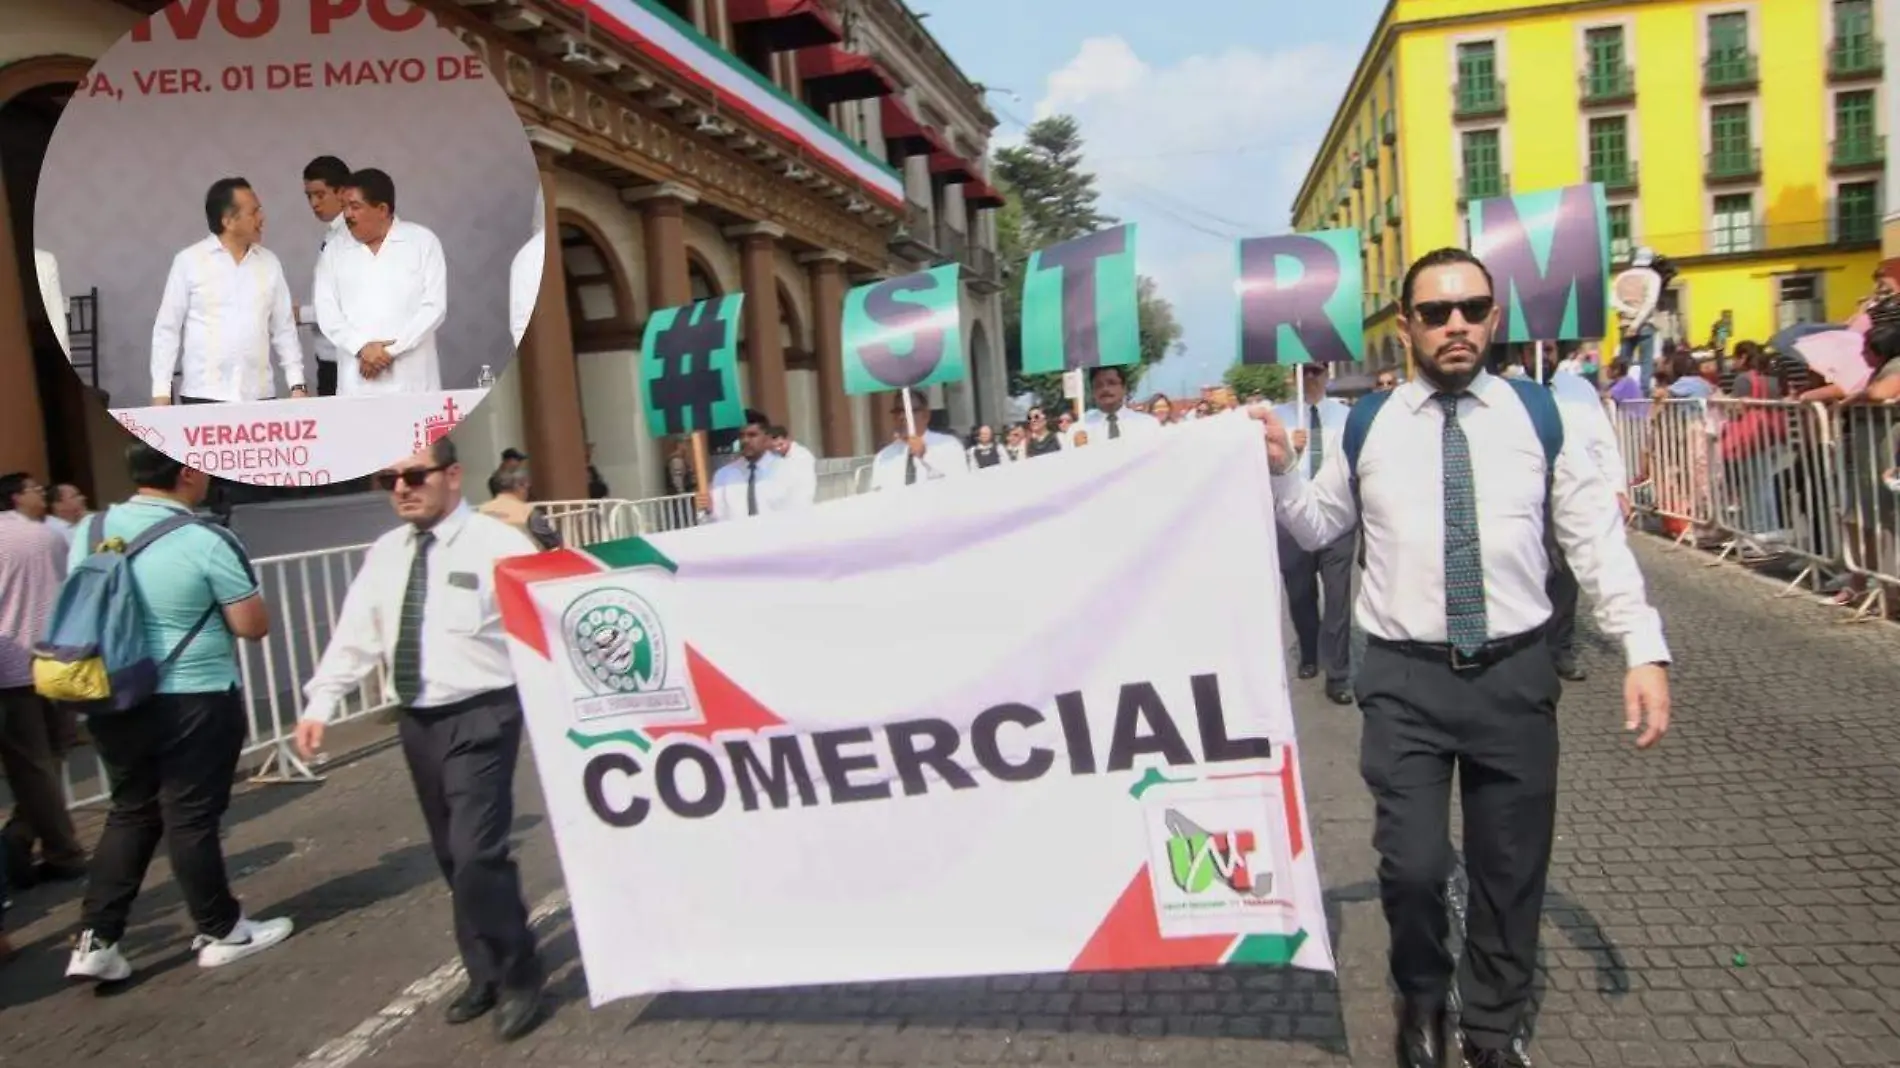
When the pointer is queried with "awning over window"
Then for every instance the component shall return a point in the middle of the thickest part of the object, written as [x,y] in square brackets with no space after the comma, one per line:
[978,193]
[950,167]
[786,25]
[909,136]
[833,75]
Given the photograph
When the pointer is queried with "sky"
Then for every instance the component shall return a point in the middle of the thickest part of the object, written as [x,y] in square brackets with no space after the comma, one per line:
[1199,119]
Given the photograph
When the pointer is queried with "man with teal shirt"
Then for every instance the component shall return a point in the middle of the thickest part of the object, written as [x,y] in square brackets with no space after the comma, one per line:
[171,761]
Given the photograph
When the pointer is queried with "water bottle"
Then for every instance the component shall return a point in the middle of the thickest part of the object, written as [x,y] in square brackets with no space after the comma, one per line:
[486,380]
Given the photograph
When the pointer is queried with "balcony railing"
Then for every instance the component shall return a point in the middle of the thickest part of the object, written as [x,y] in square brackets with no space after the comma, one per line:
[1483,185]
[1617,176]
[1842,225]
[1607,85]
[1858,152]
[1730,70]
[1856,57]
[1733,164]
[916,232]
[1478,99]
[1388,128]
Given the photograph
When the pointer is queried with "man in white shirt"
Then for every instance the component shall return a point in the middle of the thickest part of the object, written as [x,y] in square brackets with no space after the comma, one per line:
[227,306]
[923,457]
[758,482]
[323,182]
[1319,581]
[423,607]
[1112,418]
[1586,421]
[66,510]
[802,465]
[382,297]
[524,274]
[1453,494]
[46,268]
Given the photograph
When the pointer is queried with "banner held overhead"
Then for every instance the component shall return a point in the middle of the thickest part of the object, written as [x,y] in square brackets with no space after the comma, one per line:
[1549,257]
[1302,298]
[904,333]
[1081,307]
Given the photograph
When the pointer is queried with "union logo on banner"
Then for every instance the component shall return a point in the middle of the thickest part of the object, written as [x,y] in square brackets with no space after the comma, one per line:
[435,427]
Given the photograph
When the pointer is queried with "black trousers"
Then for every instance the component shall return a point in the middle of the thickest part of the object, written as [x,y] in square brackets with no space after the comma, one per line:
[170,763]
[34,738]
[1319,598]
[462,762]
[326,378]
[1562,589]
[1497,726]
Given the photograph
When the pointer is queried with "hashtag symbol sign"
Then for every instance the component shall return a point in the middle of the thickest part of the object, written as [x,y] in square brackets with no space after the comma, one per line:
[688,380]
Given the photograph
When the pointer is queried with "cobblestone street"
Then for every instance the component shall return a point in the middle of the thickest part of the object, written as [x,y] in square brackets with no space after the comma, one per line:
[1729,899]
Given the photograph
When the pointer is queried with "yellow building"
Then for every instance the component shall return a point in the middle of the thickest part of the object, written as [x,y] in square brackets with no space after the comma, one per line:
[1743,139]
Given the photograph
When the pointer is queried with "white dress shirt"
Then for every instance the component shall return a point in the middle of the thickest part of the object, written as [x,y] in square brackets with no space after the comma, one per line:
[47,270]
[943,458]
[1332,421]
[336,234]
[1401,478]
[802,464]
[1588,421]
[524,284]
[464,649]
[775,486]
[228,315]
[1133,424]
[62,528]
[399,294]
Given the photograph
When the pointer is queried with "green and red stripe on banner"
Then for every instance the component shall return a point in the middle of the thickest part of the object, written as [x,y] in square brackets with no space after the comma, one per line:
[661,36]
[1128,939]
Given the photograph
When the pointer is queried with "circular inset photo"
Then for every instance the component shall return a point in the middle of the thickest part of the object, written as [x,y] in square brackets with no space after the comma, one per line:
[306,235]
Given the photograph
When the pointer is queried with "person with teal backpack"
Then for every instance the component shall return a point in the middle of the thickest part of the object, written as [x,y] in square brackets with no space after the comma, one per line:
[1460,482]
[144,640]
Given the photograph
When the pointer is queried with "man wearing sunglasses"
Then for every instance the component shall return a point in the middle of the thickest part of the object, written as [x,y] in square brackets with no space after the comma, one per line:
[1453,496]
[423,607]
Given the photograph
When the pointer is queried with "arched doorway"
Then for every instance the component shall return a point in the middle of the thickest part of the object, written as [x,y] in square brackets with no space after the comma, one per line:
[979,372]
[600,310]
[33,93]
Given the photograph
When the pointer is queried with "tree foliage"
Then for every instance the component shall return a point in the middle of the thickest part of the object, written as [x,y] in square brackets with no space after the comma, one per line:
[1268,379]
[1050,199]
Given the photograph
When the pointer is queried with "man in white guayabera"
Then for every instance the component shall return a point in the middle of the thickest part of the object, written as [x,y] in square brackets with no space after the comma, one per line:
[381,297]
[226,308]
[524,274]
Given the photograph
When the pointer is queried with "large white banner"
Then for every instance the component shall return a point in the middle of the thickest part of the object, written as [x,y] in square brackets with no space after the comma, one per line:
[311,442]
[214,90]
[845,744]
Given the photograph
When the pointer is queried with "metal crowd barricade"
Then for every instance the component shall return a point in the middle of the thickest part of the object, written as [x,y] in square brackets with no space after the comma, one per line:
[844,476]
[305,592]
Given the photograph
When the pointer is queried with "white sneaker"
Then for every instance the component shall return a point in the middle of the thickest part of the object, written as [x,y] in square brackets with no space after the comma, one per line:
[98,961]
[248,937]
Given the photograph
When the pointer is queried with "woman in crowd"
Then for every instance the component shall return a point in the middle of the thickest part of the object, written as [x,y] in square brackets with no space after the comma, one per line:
[1042,439]
[984,450]
[1162,409]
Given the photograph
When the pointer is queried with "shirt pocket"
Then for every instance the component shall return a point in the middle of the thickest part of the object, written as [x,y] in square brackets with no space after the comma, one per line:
[462,610]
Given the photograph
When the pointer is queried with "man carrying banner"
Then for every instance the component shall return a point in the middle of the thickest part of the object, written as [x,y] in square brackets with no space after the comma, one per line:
[1111,417]
[423,607]
[925,456]
[1458,673]
[1324,632]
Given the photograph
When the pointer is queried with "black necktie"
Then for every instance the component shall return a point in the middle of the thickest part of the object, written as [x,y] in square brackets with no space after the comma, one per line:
[910,469]
[1114,425]
[1315,437]
[408,660]
[752,487]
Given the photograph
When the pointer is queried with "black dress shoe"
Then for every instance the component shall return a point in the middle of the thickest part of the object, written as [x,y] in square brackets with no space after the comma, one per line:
[1570,673]
[472,1003]
[1339,693]
[517,1013]
[1307,671]
[58,873]
[1421,1038]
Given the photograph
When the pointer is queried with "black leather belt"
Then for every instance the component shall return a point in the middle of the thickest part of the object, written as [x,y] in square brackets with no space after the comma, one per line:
[487,697]
[1486,655]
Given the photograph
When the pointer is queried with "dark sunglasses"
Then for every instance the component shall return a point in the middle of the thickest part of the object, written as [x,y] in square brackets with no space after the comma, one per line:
[412,477]
[1436,313]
